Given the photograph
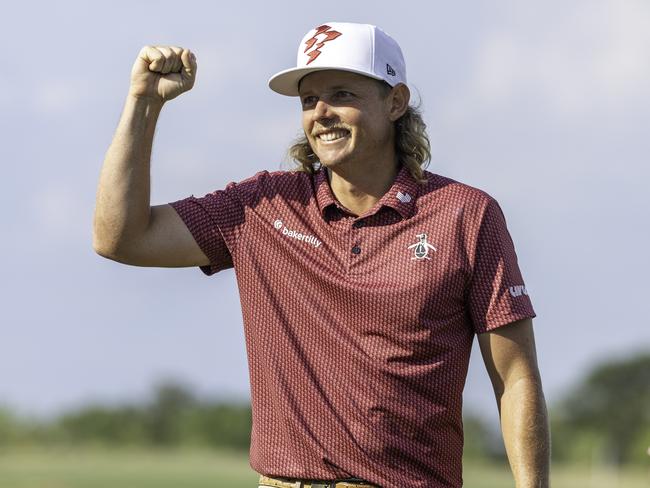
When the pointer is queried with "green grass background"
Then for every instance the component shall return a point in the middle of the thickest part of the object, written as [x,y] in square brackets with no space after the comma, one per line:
[190,468]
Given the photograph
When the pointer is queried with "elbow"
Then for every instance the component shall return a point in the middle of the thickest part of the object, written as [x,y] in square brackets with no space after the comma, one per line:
[107,242]
[103,249]
[103,253]
[523,386]
[104,245]
[110,252]
[114,249]
[100,241]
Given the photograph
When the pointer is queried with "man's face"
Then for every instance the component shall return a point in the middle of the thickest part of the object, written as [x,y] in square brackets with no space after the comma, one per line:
[345,116]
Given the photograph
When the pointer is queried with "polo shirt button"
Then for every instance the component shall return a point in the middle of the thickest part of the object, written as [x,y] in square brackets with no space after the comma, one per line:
[356,249]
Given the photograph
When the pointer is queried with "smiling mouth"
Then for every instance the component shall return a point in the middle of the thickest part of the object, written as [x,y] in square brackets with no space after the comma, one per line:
[333,135]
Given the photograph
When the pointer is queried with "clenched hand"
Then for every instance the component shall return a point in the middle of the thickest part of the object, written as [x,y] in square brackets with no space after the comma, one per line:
[161,73]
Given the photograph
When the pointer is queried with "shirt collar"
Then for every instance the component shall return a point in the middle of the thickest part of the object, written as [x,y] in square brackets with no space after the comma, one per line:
[401,196]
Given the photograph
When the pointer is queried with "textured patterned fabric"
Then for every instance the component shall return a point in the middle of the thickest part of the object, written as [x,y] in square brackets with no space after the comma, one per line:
[267,482]
[359,329]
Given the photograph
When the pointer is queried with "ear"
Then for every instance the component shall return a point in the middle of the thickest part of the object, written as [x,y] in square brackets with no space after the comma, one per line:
[398,101]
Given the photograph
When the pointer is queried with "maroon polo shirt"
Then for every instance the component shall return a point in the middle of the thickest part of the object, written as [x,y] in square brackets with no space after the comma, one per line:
[359,329]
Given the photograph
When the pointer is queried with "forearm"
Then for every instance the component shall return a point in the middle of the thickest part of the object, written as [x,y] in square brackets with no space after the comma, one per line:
[122,207]
[526,435]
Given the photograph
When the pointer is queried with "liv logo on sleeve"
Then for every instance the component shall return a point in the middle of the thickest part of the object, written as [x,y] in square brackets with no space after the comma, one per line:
[518,290]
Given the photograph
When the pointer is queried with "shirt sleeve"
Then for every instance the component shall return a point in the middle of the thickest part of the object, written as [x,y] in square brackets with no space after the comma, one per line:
[217,220]
[497,293]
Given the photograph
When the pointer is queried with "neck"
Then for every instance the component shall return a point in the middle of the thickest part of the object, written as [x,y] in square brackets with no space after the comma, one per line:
[359,187]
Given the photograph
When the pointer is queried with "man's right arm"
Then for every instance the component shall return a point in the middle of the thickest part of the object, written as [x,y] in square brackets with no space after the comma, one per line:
[125,227]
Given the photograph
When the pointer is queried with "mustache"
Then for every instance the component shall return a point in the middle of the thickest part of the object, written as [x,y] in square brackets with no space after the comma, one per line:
[317,130]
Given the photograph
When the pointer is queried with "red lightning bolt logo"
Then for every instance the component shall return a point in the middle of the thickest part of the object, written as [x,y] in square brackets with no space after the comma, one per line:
[330,35]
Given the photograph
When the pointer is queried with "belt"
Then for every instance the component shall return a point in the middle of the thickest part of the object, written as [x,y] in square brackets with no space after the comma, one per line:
[304,483]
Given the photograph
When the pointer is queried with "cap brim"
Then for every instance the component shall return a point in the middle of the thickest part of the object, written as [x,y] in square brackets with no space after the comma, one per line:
[286,82]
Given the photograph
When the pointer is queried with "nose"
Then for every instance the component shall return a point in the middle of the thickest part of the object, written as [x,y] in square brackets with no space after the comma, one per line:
[321,111]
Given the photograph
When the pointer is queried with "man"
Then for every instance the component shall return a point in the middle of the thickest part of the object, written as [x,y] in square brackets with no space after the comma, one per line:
[362,277]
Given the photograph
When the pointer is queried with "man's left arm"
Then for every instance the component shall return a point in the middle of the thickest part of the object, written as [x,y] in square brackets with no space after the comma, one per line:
[511,362]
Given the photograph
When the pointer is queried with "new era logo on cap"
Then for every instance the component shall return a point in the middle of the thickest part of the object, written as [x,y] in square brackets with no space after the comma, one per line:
[358,48]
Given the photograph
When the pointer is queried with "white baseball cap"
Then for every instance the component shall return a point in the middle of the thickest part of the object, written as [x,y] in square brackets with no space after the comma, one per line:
[359,48]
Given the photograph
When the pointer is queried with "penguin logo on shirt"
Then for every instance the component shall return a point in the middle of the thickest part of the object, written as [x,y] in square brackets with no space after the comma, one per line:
[421,248]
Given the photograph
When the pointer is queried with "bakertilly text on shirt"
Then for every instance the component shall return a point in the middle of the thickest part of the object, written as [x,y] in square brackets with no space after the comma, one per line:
[278,224]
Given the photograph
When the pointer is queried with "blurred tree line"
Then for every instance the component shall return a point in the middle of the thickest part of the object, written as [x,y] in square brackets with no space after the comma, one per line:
[605,419]
[174,417]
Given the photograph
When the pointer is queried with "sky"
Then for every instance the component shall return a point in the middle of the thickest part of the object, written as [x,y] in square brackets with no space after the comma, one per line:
[545,105]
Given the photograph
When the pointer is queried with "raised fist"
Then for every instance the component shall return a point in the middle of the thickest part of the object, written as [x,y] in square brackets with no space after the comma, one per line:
[161,73]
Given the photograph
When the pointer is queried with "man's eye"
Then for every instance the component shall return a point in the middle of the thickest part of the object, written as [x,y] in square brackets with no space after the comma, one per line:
[307,101]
